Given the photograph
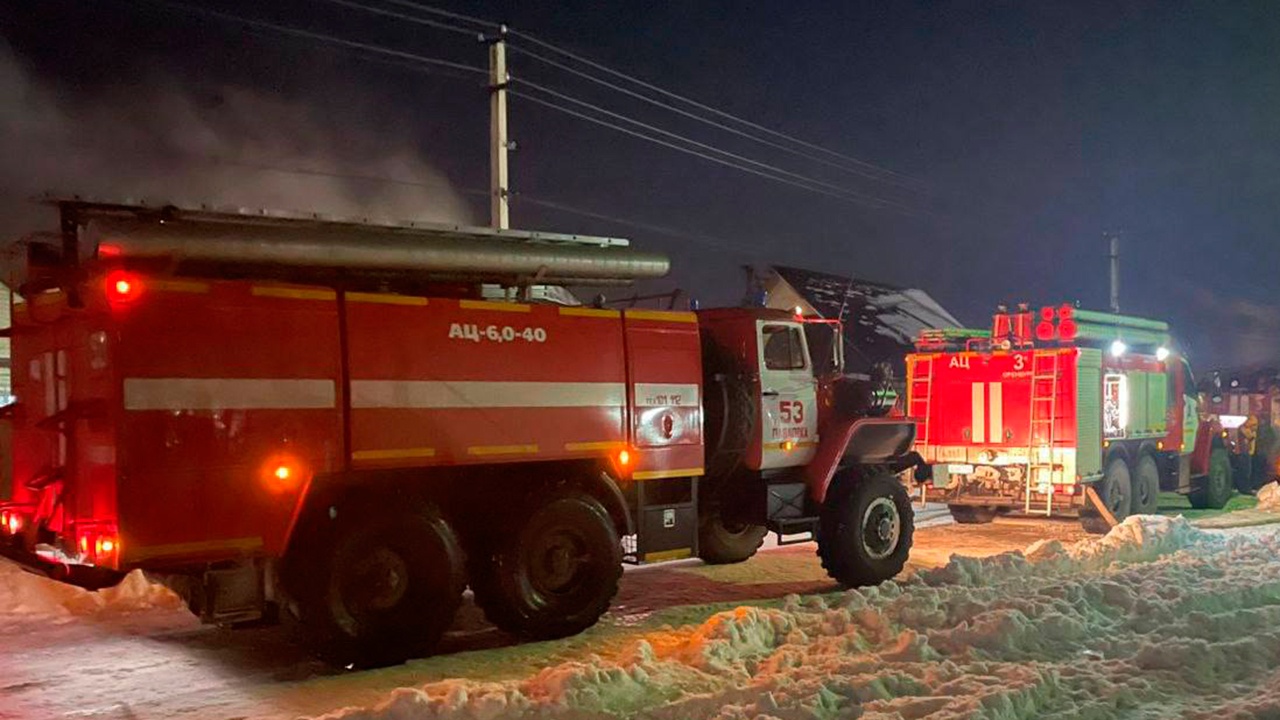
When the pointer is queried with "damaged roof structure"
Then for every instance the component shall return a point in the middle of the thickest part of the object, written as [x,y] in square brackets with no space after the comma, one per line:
[881,321]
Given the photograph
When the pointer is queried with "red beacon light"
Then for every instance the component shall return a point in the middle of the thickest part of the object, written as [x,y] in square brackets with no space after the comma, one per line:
[122,288]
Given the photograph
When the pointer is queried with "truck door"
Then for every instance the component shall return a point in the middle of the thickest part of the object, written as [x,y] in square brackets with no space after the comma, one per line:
[788,395]
[1190,408]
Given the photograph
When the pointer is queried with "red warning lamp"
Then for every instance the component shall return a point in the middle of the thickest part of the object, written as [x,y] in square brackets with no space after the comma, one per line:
[122,288]
[1066,312]
[1046,314]
[1044,331]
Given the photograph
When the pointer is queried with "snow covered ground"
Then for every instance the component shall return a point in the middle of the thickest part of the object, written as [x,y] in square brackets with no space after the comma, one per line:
[1158,619]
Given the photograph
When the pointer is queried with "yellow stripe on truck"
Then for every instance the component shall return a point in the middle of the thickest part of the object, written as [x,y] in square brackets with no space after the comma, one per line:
[502,450]
[274,291]
[663,474]
[386,299]
[394,453]
[663,315]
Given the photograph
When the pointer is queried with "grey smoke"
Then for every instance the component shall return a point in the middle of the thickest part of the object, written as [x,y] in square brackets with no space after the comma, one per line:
[158,141]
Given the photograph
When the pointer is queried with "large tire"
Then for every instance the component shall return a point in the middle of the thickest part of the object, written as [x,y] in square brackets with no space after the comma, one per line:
[556,574]
[972,514]
[721,542]
[1115,490]
[865,529]
[1212,491]
[382,589]
[1146,487]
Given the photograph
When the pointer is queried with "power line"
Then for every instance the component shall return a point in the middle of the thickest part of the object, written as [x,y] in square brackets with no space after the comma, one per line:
[320,37]
[853,194]
[391,13]
[720,113]
[768,172]
[876,176]
[444,13]
[859,167]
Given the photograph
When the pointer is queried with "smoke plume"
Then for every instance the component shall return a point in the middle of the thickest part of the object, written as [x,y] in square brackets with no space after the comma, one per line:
[162,142]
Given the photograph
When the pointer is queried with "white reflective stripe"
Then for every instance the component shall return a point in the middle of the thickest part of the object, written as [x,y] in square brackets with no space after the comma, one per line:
[996,412]
[439,394]
[978,429]
[228,394]
[665,395]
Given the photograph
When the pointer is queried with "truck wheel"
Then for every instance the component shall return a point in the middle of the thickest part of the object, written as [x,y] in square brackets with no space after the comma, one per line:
[722,541]
[865,529]
[556,574]
[384,591]
[1115,490]
[1146,487]
[1213,490]
[972,515]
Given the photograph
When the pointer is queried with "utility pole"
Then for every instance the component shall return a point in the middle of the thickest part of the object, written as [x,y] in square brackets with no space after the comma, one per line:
[500,194]
[1115,270]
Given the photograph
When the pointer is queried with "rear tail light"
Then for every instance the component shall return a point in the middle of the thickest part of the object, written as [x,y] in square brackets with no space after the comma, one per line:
[99,544]
[10,522]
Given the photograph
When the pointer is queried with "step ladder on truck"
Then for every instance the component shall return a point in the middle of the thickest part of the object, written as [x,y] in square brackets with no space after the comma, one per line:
[1062,412]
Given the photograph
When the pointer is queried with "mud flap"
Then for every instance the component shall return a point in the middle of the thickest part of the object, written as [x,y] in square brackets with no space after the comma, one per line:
[1095,508]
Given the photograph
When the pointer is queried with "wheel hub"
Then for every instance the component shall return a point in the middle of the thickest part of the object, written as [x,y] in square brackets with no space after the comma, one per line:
[881,528]
[556,560]
[379,582]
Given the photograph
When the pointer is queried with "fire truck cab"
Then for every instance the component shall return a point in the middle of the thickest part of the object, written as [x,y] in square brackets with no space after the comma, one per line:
[338,420]
[1062,411]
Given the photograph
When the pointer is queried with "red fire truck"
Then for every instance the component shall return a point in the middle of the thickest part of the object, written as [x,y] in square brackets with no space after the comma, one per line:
[1064,411]
[332,419]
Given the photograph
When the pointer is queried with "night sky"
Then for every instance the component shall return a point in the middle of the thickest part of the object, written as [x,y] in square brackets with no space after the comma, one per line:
[1034,128]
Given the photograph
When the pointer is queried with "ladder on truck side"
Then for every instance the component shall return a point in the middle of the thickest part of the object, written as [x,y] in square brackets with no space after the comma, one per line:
[920,397]
[1043,420]
[919,403]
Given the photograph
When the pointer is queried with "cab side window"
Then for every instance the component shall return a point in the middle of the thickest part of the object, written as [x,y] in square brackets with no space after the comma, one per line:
[783,348]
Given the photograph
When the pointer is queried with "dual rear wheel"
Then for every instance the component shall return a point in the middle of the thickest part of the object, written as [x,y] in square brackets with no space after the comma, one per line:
[379,588]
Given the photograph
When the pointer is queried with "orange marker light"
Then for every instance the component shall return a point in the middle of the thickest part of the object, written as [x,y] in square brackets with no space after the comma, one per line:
[789,445]
[108,545]
[15,523]
[283,472]
[624,458]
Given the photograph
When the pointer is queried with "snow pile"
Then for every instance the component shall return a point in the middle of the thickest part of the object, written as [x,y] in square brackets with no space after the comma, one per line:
[1269,497]
[1155,619]
[26,594]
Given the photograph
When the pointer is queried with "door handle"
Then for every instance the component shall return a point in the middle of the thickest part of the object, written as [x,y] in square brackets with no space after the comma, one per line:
[770,393]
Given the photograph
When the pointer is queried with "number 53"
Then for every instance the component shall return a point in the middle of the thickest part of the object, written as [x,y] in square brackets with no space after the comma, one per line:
[791,411]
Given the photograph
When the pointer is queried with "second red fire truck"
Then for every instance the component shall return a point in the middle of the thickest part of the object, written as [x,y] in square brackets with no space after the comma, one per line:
[1062,411]
[334,419]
